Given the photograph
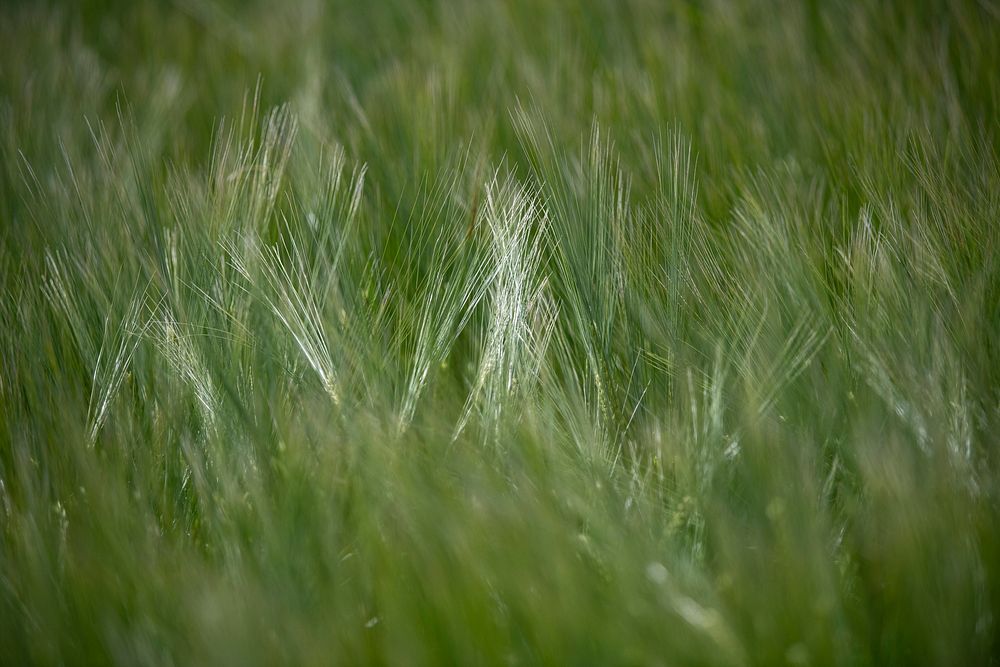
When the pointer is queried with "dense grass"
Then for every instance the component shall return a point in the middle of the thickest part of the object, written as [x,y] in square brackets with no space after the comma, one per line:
[500,332]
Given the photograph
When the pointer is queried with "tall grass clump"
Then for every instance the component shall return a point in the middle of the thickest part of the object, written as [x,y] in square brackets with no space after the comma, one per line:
[481,332]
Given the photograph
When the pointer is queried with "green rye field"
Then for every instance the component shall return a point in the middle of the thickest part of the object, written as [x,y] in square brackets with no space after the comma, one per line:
[500,332]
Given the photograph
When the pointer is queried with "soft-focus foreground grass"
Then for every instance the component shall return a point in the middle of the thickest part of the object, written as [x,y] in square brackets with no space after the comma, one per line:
[500,333]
